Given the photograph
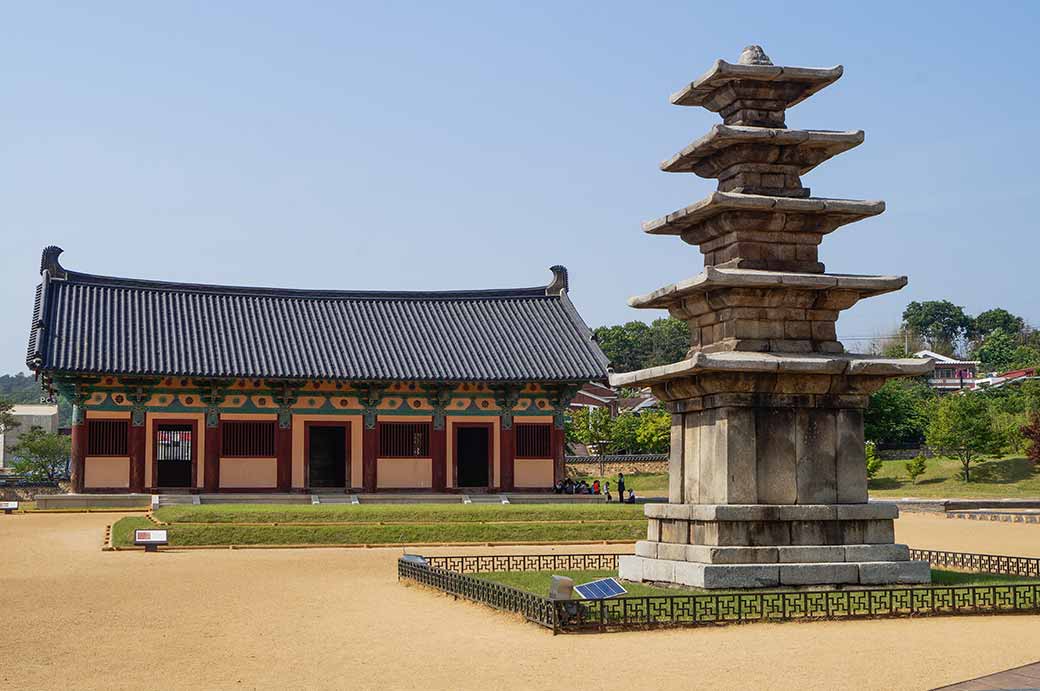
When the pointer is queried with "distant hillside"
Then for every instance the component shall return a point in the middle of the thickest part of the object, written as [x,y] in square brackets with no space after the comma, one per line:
[23,388]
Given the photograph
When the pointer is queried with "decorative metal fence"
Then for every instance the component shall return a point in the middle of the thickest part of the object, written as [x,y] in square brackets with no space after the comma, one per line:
[450,574]
[525,562]
[981,563]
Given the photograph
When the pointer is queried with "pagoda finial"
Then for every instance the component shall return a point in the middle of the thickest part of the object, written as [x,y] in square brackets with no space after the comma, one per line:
[754,55]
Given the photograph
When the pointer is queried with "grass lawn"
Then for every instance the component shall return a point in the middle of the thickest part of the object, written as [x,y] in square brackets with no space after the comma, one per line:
[401,513]
[1004,478]
[236,524]
[538,581]
[645,484]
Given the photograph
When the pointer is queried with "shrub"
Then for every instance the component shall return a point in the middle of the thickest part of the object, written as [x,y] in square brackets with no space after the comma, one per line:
[915,467]
[873,460]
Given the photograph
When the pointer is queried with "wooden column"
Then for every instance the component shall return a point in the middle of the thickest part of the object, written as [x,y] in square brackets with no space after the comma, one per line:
[439,454]
[211,469]
[78,455]
[508,454]
[283,442]
[369,449]
[558,438]
[135,445]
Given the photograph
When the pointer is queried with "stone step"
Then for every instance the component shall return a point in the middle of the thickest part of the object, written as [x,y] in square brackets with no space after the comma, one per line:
[785,554]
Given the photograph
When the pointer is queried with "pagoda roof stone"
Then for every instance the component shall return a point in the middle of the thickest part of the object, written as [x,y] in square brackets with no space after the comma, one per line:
[803,149]
[808,363]
[713,278]
[800,83]
[838,211]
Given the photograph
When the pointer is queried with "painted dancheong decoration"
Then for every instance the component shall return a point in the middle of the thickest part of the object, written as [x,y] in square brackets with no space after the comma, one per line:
[767,473]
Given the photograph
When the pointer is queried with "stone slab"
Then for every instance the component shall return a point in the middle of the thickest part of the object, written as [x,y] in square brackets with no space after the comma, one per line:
[865,512]
[798,554]
[707,554]
[818,573]
[882,572]
[630,567]
[671,551]
[892,552]
[647,548]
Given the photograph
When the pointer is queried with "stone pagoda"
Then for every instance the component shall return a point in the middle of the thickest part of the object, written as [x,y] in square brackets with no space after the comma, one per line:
[767,475]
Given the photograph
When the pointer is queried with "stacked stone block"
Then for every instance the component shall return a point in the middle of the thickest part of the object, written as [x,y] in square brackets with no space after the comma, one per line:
[767,472]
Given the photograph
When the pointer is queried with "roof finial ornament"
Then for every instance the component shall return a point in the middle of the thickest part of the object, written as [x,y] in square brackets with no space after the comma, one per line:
[49,262]
[559,282]
[754,55]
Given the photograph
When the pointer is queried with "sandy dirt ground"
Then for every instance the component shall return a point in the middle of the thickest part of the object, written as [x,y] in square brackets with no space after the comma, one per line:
[75,617]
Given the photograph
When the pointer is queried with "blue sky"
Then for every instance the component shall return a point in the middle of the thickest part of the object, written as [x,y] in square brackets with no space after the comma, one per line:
[450,145]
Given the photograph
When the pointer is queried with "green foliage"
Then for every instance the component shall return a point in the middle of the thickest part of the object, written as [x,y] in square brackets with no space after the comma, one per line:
[997,351]
[964,428]
[939,322]
[1009,427]
[637,433]
[592,427]
[916,466]
[997,318]
[897,412]
[41,455]
[637,345]
[1031,432]
[7,419]
[874,461]
[654,432]
[1024,356]
[21,388]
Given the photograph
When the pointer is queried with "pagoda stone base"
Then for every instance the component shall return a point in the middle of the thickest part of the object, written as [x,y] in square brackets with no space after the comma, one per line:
[757,546]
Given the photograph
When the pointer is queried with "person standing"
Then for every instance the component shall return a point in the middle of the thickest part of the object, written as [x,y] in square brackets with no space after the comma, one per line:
[621,487]
[606,490]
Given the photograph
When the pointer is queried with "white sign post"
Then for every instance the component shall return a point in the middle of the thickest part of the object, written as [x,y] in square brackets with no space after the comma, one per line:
[150,539]
[8,506]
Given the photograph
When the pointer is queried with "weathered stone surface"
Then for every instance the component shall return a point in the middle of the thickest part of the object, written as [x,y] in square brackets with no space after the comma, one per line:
[816,449]
[676,471]
[882,552]
[647,548]
[871,511]
[807,512]
[731,555]
[672,551]
[630,567]
[667,511]
[675,531]
[739,576]
[662,570]
[691,456]
[851,458]
[653,530]
[741,456]
[879,572]
[733,512]
[817,574]
[871,532]
[777,480]
[815,533]
[810,553]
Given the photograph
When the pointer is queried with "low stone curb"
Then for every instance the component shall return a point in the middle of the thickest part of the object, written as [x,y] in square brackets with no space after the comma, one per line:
[380,545]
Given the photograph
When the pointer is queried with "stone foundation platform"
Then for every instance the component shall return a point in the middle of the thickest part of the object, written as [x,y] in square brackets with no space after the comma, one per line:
[757,545]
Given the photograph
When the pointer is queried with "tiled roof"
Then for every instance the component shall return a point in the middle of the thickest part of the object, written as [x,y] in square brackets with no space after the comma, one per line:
[97,324]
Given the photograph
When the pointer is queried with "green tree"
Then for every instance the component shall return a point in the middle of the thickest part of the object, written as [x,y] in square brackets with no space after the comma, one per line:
[1031,431]
[1025,356]
[627,346]
[42,456]
[915,467]
[939,322]
[669,341]
[963,427]
[997,318]
[873,460]
[897,412]
[996,351]
[655,431]
[624,437]
[592,427]
[7,418]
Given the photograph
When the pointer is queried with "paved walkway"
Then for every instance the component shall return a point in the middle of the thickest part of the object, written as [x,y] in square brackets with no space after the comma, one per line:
[1025,678]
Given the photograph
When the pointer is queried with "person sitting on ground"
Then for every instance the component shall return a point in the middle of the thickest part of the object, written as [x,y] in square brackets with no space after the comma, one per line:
[558,487]
[631,497]
[595,486]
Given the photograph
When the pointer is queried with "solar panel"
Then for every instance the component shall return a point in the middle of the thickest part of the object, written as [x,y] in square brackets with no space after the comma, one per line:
[600,590]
